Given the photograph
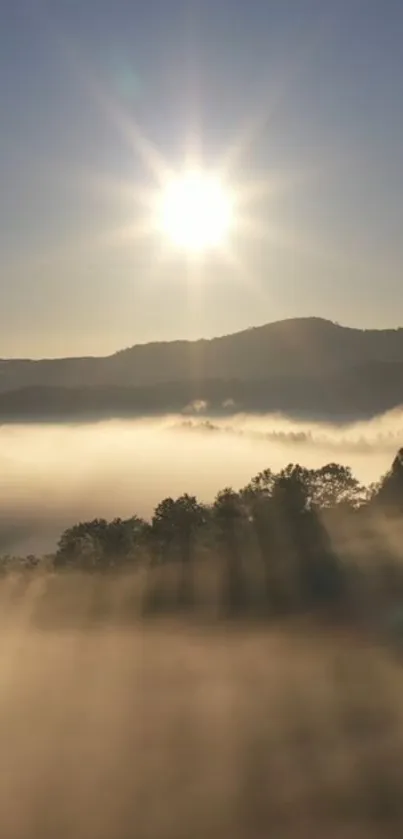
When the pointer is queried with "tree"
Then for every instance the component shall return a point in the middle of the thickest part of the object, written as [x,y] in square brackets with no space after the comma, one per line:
[99,544]
[291,489]
[257,499]
[261,484]
[333,485]
[389,494]
[285,510]
[80,545]
[313,570]
[228,512]
[174,528]
[123,539]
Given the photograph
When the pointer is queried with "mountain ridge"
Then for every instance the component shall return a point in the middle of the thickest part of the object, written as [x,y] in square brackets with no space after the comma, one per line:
[313,319]
[299,364]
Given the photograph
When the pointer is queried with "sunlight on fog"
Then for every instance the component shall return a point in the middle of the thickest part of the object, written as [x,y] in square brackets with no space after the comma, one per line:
[53,475]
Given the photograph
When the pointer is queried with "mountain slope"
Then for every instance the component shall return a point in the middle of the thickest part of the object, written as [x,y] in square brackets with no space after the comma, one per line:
[307,367]
[360,392]
[296,347]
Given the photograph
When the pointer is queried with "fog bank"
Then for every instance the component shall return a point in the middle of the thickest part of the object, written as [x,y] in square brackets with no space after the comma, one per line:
[167,733]
[54,475]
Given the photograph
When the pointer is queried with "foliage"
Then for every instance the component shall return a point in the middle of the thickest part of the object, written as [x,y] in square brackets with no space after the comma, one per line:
[390,490]
[289,540]
[101,544]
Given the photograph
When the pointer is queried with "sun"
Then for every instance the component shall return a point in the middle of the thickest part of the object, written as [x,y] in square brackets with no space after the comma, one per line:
[195,211]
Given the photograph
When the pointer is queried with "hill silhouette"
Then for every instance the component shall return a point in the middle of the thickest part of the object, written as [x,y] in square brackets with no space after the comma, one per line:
[303,366]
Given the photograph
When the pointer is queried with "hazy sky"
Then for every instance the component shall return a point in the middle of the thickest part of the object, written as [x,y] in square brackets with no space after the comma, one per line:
[309,91]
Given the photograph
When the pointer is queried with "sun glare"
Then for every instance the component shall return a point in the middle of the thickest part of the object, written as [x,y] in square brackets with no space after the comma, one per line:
[195,212]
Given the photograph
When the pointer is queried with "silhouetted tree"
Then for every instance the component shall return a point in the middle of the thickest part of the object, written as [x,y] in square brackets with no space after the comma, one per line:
[261,484]
[100,544]
[258,503]
[389,494]
[332,485]
[315,574]
[123,539]
[290,519]
[174,527]
[228,513]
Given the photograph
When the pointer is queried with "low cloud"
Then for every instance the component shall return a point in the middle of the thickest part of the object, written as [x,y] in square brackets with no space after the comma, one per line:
[382,433]
[54,475]
[196,407]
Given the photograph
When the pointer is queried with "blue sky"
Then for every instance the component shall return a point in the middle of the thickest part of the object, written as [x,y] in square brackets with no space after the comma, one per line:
[311,91]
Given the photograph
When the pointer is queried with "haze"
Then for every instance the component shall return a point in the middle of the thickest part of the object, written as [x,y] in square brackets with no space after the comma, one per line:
[54,475]
[301,100]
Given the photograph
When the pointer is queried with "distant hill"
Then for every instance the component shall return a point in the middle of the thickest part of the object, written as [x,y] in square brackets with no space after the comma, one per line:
[305,366]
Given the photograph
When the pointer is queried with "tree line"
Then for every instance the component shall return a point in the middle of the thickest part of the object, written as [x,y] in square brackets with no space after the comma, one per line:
[287,540]
[296,531]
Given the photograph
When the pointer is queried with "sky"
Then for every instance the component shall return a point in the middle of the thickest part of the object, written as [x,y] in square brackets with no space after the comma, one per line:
[301,99]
